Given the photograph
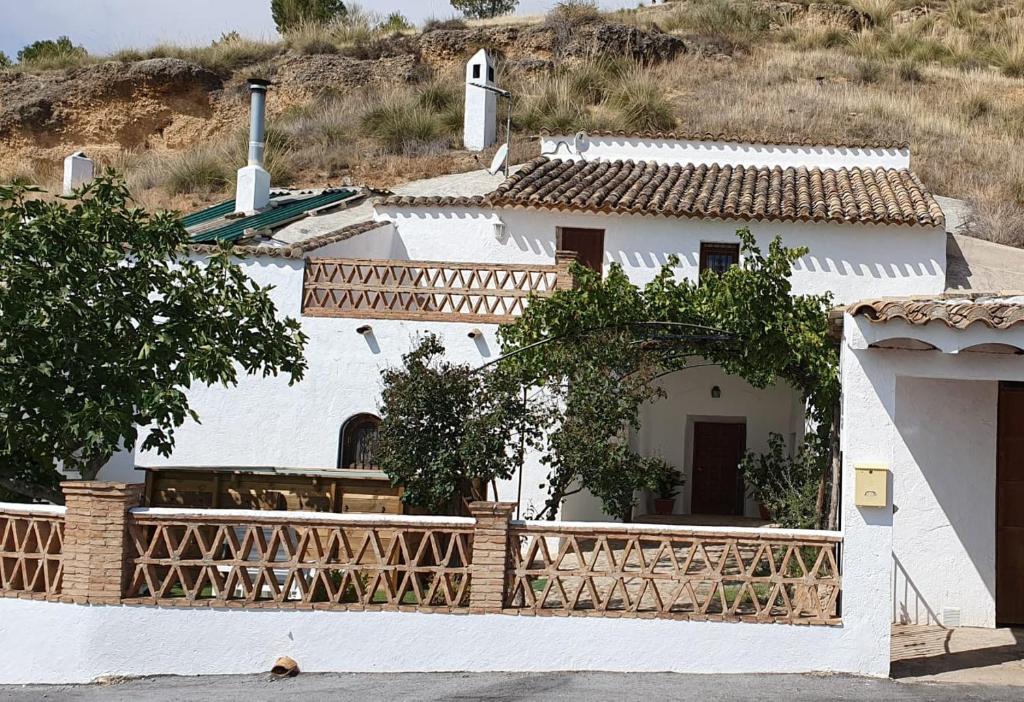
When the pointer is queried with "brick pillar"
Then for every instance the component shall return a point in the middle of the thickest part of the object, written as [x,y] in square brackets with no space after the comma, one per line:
[564,279]
[490,555]
[96,549]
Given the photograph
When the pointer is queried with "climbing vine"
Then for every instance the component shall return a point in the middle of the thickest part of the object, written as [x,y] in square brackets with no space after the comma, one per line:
[594,351]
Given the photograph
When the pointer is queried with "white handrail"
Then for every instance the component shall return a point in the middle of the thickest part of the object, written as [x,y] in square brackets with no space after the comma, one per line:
[22,508]
[681,529]
[302,516]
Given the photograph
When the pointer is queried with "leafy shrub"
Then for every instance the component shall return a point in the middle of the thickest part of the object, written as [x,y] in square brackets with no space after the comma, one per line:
[395,22]
[288,14]
[52,53]
[484,9]
[787,485]
[573,12]
[433,24]
[5,62]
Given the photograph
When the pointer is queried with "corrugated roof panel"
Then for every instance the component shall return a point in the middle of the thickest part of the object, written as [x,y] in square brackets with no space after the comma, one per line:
[233,229]
[212,212]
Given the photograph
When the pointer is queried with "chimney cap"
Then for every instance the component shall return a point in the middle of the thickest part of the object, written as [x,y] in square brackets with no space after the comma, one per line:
[258,82]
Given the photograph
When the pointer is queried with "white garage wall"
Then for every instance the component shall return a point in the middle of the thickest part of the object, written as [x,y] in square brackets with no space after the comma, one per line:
[944,480]
[930,416]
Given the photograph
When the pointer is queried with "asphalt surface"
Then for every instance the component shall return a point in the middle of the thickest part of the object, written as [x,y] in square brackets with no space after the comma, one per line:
[648,687]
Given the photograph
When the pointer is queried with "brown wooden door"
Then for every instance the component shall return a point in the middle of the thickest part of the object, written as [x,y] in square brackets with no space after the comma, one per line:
[1010,506]
[717,450]
[587,243]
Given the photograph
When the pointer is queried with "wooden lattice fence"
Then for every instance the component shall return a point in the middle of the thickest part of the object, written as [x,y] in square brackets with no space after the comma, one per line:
[31,551]
[395,289]
[677,573]
[291,559]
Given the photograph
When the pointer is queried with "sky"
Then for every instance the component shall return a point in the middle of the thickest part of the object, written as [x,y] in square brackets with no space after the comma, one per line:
[103,26]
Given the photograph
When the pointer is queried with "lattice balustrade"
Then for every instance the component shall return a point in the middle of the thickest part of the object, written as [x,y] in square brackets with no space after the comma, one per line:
[295,559]
[31,547]
[757,576]
[390,289]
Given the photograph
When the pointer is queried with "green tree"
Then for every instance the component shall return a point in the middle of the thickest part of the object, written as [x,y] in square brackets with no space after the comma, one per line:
[599,347]
[104,325]
[448,431]
[288,14]
[482,9]
[58,49]
[5,62]
[395,22]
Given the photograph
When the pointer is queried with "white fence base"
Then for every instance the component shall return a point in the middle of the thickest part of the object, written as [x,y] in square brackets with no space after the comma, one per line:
[47,642]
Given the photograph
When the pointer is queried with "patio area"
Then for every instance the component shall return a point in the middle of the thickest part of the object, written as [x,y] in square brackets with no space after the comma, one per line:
[962,655]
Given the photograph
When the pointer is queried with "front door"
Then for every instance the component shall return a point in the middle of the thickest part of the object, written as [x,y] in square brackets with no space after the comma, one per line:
[1010,506]
[587,243]
[718,448]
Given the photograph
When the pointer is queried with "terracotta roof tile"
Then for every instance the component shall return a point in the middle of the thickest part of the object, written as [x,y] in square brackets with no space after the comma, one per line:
[995,310]
[753,139]
[882,196]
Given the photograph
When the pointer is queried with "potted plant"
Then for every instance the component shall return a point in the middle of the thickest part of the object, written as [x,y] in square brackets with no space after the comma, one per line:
[667,488]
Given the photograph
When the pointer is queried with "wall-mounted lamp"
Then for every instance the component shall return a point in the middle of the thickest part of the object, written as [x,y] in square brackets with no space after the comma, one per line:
[364,329]
[716,392]
[475,333]
[500,231]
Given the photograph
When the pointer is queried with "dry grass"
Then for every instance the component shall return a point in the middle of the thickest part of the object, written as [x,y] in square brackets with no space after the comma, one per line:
[950,82]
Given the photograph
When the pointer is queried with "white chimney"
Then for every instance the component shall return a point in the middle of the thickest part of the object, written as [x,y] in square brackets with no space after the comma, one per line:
[77,170]
[252,192]
[480,127]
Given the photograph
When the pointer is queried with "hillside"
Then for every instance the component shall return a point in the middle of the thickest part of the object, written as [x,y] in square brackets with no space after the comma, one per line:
[357,104]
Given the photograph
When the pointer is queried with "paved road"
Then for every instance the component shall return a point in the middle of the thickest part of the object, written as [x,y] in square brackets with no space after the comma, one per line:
[512,686]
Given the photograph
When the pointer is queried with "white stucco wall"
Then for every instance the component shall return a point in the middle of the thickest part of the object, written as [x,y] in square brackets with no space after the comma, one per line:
[65,643]
[595,147]
[850,261]
[944,473]
[930,417]
[266,422]
[667,428]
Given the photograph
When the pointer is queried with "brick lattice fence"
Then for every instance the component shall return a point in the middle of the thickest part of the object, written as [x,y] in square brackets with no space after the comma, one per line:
[104,549]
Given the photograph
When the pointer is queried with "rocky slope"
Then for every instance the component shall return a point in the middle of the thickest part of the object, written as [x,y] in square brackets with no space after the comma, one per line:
[168,103]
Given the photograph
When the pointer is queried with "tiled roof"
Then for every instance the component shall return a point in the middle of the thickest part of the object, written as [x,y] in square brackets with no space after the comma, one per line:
[883,196]
[297,250]
[995,310]
[741,139]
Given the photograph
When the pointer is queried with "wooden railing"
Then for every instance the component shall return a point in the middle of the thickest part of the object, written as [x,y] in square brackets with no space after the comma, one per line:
[427,290]
[756,575]
[31,549]
[299,559]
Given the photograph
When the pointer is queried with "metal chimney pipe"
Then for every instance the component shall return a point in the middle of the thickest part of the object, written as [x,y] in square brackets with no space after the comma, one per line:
[257,120]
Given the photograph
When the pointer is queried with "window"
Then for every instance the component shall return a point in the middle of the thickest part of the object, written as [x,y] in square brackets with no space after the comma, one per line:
[490,73]
[718,257]
[587,243]
[476,70]
[358,442]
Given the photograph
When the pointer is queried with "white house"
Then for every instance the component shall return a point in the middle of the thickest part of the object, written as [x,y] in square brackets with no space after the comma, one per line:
[456,255]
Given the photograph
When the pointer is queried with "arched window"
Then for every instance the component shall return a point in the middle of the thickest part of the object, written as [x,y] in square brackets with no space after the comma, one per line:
[357,442]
